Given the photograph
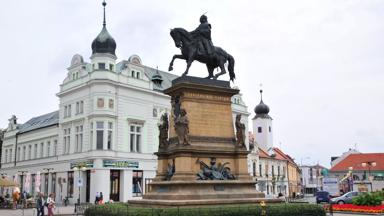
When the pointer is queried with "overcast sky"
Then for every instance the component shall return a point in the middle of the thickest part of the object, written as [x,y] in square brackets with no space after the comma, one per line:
[321,62]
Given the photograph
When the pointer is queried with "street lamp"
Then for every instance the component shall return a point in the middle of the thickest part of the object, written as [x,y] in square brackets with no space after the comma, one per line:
[79,168]
[369,164]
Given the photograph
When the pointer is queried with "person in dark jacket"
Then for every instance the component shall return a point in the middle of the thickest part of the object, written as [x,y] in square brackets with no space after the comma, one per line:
[40,205]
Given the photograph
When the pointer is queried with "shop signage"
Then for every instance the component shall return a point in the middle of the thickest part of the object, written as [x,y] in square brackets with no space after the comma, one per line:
[86,164]
[121,164]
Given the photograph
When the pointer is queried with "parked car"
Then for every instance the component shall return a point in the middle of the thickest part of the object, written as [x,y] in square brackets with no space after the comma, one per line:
[346,198]
[322,196]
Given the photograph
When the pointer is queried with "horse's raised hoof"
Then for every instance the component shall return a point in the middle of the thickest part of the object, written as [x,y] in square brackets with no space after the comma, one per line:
[215,77]
[170,68]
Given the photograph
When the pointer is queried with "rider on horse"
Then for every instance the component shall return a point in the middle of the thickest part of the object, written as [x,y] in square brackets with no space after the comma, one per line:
[202,35]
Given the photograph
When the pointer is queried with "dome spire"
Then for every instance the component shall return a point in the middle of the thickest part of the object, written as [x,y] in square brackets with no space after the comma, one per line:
[104,4]
[262,109]
[104,42]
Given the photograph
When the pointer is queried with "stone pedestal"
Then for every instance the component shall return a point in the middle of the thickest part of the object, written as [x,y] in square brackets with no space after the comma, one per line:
[211,135]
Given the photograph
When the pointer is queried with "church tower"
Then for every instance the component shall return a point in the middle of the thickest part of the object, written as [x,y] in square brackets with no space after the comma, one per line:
[262,126]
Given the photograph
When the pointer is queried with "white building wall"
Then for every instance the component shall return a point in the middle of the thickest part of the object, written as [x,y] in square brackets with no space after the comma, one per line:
[265,138]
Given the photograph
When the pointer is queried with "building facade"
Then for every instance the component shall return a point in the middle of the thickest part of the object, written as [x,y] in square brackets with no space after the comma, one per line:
[102,137]
[359,172]
[312,178]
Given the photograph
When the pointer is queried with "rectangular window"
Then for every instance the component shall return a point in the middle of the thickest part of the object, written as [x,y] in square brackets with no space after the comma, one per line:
[18,154]
[79,138]
[54,147]
[110,104]
[46,183]
[69,111]
[70,185]
[260,171]
[91,138]
[24,151]
[81,106]
[35,151]
[49,148]
[10,155]
[30,152]
[111,67]
[68,140]
[65,111]
[41,149]
[77,108]
[99,135]
[278,170]
[254,168]
[135,138]
[33,185]
[100,102]
[5,160]
[109,138]
[101,66]
[138,75]
[259,129]
[137,183]
[273,171]
[270,129]
[133,74]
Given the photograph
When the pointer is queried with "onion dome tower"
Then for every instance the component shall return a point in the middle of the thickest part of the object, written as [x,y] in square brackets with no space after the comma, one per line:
[103,49]
[157,78]
[262,125]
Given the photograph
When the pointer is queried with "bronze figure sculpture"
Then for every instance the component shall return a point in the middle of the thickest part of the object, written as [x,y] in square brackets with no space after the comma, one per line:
[240,131]
[214,171]
[197,45]
[163,131]
[182,127]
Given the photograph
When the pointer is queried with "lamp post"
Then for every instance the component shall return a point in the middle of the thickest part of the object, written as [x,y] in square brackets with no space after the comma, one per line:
[369,164]
[350,179]
[79,168]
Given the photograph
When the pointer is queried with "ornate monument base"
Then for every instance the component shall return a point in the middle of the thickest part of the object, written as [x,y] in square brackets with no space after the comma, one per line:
[202,162]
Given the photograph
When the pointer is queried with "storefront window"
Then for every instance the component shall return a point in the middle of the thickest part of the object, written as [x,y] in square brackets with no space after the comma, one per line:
[70,185]
[46,183]
[137,183]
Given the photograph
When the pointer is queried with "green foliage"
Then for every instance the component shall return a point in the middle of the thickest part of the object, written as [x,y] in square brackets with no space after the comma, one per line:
[369,199]
[120,209]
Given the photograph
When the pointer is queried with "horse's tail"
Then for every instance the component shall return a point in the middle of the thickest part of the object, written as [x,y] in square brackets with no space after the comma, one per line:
[231,67]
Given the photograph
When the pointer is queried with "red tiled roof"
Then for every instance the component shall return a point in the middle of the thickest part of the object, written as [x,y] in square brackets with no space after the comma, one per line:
[280,155]
[355,161]
[263,154]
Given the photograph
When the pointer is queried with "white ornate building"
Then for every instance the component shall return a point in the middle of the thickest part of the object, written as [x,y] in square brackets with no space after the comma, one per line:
[102,137]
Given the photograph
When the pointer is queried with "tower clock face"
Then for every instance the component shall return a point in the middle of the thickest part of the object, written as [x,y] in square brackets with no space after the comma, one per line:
[77,59]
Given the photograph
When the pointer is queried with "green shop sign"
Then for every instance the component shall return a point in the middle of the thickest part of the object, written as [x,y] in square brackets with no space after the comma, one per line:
[120,164]
[86,164]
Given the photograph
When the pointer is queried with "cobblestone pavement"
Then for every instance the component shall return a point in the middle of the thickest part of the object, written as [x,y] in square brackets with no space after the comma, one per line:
[59,210]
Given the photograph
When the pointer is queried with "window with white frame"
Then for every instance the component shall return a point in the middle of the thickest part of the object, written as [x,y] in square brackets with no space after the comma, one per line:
[77,107]
[5,160]
[54,147]
[67,140]
[99,135]
[91,134]
[79,138]
[109,137]
[18,153]
[69,111]
[24,151]
[10,155]
[42,149]
[81,106]
[35,151]
[49,148]
[30,152]
[65,111]
[135,137]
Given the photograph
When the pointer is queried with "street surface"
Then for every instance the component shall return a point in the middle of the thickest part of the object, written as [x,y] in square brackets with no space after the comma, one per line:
[59,210]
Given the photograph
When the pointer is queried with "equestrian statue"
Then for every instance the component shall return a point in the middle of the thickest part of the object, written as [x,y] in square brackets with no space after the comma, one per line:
[197,45]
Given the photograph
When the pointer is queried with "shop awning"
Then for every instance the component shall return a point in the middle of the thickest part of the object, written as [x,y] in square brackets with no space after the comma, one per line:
[4,182]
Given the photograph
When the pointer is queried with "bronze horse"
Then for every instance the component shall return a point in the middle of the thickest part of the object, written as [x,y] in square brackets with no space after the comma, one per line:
[189,52]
